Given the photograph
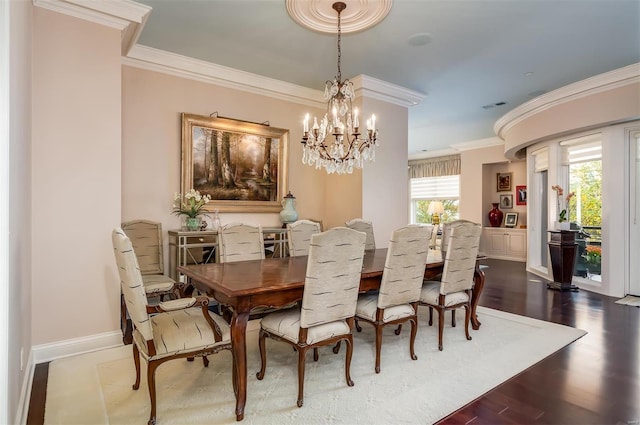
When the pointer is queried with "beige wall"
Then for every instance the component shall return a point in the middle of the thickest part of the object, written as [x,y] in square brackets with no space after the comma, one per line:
[490,193]
[385,192]
[475,200]
[19,201]
[76,177]
[151,144]
[151,161]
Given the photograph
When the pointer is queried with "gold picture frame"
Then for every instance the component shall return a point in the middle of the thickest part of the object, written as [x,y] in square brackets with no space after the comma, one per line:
[241,165]
[503,182]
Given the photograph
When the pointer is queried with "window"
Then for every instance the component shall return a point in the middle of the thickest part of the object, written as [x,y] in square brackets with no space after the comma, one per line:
[424,190]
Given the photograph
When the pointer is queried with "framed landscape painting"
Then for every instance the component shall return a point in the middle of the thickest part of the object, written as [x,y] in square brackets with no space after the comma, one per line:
[241,165]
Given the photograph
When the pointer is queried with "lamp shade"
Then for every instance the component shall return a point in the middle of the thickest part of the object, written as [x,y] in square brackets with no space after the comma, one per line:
[435,207]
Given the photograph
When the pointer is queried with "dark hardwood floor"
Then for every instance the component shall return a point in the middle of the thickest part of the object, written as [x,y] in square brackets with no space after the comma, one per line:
[595,380]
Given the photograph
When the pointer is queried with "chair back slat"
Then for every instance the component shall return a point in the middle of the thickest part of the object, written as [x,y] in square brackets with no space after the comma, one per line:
[333,276]
[240,242]
[366,227]
[299,236]
[404,266]
[460,257]
[131,282]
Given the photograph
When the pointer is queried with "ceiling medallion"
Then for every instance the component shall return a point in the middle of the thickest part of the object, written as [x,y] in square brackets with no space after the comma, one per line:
[319,15]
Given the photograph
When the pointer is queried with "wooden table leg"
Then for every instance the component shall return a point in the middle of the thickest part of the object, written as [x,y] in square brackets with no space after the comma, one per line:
[239,344]
[478,286]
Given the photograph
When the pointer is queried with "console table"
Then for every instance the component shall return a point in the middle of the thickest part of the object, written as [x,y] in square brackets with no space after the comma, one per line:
[201,247]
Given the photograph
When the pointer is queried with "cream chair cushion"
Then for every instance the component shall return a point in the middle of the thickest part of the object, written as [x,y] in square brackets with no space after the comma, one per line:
[368,305]
[431,292]
[155,283]
[182,330]
[287,325]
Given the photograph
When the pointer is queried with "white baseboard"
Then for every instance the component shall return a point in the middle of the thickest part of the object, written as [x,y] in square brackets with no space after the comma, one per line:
[71,347]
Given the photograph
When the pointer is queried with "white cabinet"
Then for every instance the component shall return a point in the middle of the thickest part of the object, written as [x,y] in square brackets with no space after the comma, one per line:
[504,244]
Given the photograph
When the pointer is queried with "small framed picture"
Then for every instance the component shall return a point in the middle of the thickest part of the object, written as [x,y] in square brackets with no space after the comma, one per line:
[503,182]
[506,202]
[510,219]
[521,195]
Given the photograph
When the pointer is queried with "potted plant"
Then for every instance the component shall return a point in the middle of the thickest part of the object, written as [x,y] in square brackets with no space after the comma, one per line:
[563,214]
[593,258]
[190,205]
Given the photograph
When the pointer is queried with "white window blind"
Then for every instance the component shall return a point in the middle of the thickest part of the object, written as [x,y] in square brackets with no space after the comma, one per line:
[443,187]
[540,160]
[582,149]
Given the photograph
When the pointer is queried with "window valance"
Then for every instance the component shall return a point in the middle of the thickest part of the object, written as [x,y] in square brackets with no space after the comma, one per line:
[435,167]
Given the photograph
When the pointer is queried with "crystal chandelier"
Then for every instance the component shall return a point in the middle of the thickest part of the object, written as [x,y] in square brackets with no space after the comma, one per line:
[349,149]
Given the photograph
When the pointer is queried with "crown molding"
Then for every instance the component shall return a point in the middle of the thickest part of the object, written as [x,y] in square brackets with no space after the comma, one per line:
[185,67]
[459,147]
[377,89]
[126,16]
[603,82]
[478,144]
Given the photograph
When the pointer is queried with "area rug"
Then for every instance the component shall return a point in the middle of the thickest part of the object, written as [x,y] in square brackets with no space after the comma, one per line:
[629,300]
[95,388]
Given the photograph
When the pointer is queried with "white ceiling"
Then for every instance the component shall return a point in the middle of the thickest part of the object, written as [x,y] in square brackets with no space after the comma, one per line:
[480,52]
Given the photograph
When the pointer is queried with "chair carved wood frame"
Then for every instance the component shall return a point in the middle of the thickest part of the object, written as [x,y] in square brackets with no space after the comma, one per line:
[169,330]
[328,302]
[455,288]
[153,364]
[397,301]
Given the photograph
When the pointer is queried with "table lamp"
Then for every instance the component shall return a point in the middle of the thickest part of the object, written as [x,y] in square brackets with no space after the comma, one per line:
[435,209]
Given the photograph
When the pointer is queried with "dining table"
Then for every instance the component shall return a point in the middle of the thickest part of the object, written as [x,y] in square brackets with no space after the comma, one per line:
[277,282]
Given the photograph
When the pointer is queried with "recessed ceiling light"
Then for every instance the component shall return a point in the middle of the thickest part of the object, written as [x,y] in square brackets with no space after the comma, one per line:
[420,39]
[493,105]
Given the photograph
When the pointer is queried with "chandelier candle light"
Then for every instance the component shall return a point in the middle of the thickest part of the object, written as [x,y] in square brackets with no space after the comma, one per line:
[348,150]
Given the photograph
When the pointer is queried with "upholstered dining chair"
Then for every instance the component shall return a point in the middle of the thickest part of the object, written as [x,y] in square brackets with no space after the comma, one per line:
[328,302]
[299,236]
[363,226]
[146,237]
[433,242]
[240,242]
[244,242]
[169,330]
[454,289]
[397,300]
